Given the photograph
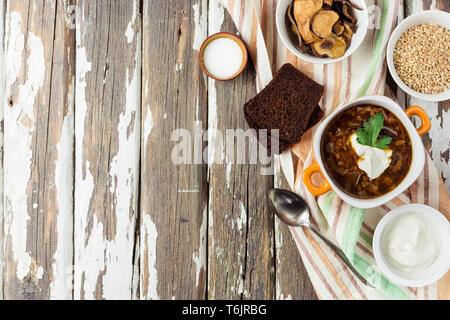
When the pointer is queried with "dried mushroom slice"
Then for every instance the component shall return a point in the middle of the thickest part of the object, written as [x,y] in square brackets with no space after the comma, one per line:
[349,3]
[333,47]
[323,21]
[302,47]
[348,33]
[323,27]
[304,10]
[346,12]
[338,28]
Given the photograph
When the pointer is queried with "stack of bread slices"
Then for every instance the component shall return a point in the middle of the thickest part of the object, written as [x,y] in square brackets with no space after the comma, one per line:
[288,103]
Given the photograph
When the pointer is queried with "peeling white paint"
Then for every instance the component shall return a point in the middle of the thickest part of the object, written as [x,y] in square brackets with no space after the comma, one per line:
[149,237]
[228,173]
[136,270]
[14,47]
[211,222]
[85,267]
[439,134]
[242,219]
[129,33]
[200,23]
[279,295]
[124,179]
[18,134]
[240,289]
[216,17]
[148,121]
[212,124]
[39,272]
[197,108]
[199,256]
[96,256]
[148,125]
[61,286]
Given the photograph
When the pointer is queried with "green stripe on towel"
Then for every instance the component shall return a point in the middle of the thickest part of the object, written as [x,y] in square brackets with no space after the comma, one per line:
[327,203]
[351,231]
[386,287]
[366,238]
[377,49]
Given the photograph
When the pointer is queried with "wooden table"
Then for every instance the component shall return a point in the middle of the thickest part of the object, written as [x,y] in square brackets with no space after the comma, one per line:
[93,205]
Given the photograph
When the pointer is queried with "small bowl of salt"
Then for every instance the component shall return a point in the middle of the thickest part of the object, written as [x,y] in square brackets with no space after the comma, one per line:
[223,56]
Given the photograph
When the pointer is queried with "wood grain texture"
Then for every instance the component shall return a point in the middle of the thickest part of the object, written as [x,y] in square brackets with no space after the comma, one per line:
[107,127]
[437,140]
[240,225]
[173,196]
[38,120]
[292,280]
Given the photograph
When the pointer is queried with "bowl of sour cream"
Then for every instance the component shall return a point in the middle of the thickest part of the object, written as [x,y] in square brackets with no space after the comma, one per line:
[223,56]
[411,245]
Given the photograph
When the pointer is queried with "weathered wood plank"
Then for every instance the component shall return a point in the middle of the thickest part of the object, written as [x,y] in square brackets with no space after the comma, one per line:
[107,128]
[38,120]
[292,280]
[437,140]
[240,230]
[2,97]
[173,196]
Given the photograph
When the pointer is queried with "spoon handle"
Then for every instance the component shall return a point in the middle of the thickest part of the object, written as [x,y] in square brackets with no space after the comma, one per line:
[341,254]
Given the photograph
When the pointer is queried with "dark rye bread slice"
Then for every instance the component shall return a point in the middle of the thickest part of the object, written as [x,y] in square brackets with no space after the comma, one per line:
[283,144]
[286,103]
[315,117]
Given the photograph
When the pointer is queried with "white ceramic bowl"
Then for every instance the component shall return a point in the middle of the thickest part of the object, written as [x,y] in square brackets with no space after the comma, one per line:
[290,40]
[432,16]
[417,162]
[433,272]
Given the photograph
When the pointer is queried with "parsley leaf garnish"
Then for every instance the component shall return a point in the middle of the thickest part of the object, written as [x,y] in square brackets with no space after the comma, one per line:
[368,134]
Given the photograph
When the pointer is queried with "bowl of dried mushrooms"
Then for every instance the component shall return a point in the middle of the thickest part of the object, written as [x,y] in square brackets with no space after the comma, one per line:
[322,31]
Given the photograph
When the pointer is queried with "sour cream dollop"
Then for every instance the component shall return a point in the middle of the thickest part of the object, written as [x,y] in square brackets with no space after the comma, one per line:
[372,161]
[410,242]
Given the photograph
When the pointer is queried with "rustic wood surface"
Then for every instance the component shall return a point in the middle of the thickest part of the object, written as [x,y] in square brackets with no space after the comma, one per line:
[240,230]
[93,206]
[107,144]
[173,221]
[38,144]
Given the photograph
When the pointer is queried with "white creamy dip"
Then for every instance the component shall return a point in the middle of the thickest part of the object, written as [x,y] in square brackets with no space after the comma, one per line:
[373,161]
[223,58]
[410,243]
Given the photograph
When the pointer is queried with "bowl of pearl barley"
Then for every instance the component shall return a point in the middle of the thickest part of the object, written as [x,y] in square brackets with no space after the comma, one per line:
[418,55]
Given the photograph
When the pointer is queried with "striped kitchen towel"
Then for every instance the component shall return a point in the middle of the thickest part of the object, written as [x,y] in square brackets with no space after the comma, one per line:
[361,74]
